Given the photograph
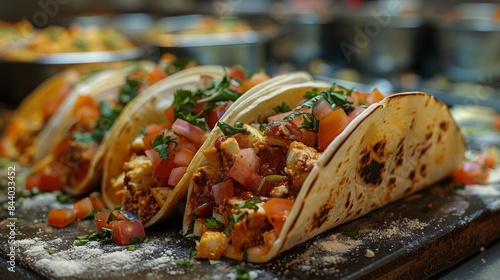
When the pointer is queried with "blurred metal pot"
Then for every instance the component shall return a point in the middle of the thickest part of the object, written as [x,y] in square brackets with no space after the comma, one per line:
[19,78]
[468,38]
[178,35]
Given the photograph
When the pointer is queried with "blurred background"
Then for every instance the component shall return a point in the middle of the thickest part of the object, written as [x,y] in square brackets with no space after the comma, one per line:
[450,48]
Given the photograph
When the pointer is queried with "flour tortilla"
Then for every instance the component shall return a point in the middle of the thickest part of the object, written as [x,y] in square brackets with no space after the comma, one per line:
[150,109]
[396,147]
[84,80]
[108,89]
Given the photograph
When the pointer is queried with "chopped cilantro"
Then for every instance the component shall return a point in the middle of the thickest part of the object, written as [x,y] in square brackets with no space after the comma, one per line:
[63,198]
[91,214]
[283,108]
[309,120]
[233,219]
[242,273]
[352,232]
[131,247]
[161,143]
[250,204]
[270,178]
[459,186]
[229,130]
[130,89]
[212,223]
[213,262]
[49,250]
[186,263]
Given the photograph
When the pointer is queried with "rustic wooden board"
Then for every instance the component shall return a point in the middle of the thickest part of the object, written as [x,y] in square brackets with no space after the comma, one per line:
[413,238]
[410,239]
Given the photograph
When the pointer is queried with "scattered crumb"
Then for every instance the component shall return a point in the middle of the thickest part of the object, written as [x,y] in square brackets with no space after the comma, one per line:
[369,253]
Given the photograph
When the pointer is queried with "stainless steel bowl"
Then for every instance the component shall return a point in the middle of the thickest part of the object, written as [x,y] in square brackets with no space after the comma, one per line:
[468,38]
[19,78]
[229,48]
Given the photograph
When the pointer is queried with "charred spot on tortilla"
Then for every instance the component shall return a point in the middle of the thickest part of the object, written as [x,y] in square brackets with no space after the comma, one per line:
[412,175]
[392,182]
[428,136]
[408,190]
[423,170]
[379,148]
[321,217]
[370,169]
[444,125]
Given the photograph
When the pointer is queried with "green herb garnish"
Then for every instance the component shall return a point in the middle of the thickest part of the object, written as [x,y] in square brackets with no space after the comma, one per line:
[229,130]
[131,247]
[242,273]
[186,263]
[309,120]
[63,198]
[250,204]
[352,232]
[283,108]
[212,223]
[161,143]
[49,250]
[270,178]
[459,186]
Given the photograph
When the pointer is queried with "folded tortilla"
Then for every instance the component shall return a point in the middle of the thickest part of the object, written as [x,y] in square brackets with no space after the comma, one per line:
[108,89]
[150,110]
[31,132]
[396,147]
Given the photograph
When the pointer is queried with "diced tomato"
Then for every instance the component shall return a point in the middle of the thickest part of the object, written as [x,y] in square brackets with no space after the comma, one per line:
[152,128]
[487,158]
[101,219]
[183,143]
[331,126]
[97,201]
[309,138]
[150,136]
[277,210]
[49,108]
[199,107]
[156,75]
[214,115]
[183,157]
[44,182]
[354,113]
[299,120]
[374,97]
[204,210]
[170,114]
[61,217]
[15,128]
[32,181]
[83,207]
[152,155]
[471,173]
[190,131]
[89,153]
[224,189]
[163,168]
[256,79]
[62,146]
[176,175]
[321,108]
[246,162]
[86,107]
[237,73]
[125,231]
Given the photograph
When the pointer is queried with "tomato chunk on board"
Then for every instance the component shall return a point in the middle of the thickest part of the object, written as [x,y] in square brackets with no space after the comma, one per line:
[61,217]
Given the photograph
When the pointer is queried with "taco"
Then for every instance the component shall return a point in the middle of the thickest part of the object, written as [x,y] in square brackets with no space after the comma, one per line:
[39,113]
[307,158]
[73,164]
[148,160]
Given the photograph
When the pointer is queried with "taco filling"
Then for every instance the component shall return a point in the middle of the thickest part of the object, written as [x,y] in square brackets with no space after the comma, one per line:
[242,196]
[70,160]
[161,155]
